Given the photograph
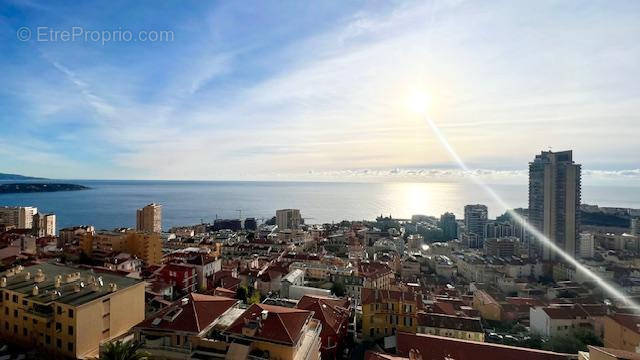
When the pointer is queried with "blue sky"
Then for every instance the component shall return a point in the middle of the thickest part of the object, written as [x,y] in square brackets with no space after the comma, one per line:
[318,90]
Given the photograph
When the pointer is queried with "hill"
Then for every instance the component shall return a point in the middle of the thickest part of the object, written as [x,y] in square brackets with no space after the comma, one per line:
[18,177]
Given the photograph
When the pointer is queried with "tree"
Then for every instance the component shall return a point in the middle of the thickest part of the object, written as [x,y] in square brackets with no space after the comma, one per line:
[120,350]
[338,289]
[241,293]
[571,343]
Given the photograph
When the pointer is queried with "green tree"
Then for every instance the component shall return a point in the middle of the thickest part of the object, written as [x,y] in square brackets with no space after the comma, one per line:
[572,343]
[120,350]
[255,298]
[338,289]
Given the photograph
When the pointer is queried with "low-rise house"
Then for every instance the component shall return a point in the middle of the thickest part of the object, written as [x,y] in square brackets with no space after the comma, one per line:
[334,315]
[266,331]
[558,319]
[169,334]
[458,327]
[622,331]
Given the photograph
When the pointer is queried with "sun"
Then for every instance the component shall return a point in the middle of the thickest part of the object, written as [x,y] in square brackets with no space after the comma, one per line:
[418,102]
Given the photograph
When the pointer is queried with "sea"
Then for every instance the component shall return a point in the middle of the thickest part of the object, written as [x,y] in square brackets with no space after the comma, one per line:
[112,203]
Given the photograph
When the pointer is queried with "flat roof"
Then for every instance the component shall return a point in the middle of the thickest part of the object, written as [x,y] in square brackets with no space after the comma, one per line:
[68,294]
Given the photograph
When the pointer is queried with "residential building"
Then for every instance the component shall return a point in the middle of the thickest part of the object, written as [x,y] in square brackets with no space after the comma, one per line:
[449,226]
[274,332]
[386,312]
[334,315]
[502,247]
[587,246]
[149,219]
[169,333]
[602,353]
[65,311]
[453,326]
[182,277]
[554,201]
[44,224]
[475,221]
[20,217]
[622,331]
[102,244]
[431,347]
[288,219]
[558,319]
[74,234]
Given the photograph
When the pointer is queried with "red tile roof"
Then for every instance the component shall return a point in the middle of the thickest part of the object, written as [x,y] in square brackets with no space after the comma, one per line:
[333,313]
[371,296]
[565,312]
[281,325]
[433,347]
[631,322]
[198,313]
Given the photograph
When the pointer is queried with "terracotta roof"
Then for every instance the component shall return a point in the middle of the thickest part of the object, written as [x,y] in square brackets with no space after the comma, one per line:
[371,296]
[373,269]
[443,321]
[333,313]
[194,316]
[565,312]
[433,347]
[631,322]
[220,291]
[281,325]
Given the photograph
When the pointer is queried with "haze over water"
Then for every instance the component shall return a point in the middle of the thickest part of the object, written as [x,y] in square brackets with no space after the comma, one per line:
[111,204]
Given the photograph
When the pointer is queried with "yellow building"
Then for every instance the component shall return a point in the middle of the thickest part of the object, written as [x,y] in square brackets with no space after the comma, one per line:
[457,327]
[385,312]
[67,312]
[146,246]
[622,331]
[487,306]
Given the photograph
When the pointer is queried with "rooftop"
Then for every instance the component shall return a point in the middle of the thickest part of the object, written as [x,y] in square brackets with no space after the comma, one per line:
[75,286]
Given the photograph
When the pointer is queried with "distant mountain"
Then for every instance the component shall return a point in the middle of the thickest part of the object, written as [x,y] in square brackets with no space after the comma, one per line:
[38,187]
[18,177]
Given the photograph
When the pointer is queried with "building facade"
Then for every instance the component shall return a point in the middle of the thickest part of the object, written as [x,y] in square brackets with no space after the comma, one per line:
[65,311]
[475,222]
[149,218]
[288,219]
[554,202]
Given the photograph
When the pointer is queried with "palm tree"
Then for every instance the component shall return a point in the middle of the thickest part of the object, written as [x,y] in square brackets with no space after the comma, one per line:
[120,350]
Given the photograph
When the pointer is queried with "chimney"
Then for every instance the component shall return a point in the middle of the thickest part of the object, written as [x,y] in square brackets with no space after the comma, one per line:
[264,314]
[184,301]
[58,281]
[39,276]
[35,290]
[3,282]
[27,276]
[113,287]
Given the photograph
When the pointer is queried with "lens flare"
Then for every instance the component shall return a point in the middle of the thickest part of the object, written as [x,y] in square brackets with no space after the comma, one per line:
[610,289]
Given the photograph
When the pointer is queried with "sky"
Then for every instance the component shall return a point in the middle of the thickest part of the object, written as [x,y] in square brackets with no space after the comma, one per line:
[292,90]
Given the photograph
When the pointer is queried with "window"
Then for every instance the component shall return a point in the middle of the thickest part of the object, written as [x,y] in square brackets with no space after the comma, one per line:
[371,332]
[48,339]
[71,313]
[24,302]
[70,347]
[35,322]
[70,330]
[15,298]
[59,343]
[59,310]
[58,326]
[6,311]
[6,325]
[15,329]
[6,296]
[24,331]
[15,313]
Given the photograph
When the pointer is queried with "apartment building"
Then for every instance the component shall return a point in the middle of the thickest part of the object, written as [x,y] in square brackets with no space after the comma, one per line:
[66,311]
[20,217]
[149,219]
[288,219]
[102,244]
[386,312]
[334,315]
[457,327]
